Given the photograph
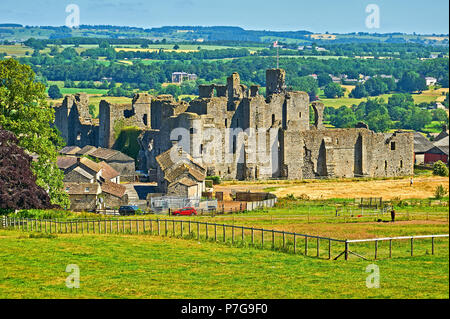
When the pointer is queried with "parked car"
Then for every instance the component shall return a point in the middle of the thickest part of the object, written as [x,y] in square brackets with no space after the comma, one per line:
[128,210]
[189,211]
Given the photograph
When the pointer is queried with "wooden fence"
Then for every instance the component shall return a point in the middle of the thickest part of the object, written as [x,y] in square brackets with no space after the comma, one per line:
[243,236]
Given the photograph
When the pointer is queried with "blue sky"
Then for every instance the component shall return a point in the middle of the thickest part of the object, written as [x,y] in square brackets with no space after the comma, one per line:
[315,15]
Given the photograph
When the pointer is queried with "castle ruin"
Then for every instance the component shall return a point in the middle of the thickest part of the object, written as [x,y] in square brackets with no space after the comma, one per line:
[287,145]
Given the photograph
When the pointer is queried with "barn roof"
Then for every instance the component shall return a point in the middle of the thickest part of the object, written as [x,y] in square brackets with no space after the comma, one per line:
[421,143]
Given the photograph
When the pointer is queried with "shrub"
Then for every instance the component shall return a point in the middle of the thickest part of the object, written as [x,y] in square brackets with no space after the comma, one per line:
[440,192]
[216,179]
[290,197]
[439,168]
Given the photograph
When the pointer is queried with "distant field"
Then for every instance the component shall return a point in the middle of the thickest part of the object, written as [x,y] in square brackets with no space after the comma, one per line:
[427,96]
[15,50]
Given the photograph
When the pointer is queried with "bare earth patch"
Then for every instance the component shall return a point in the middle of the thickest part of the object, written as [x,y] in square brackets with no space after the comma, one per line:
[423,187]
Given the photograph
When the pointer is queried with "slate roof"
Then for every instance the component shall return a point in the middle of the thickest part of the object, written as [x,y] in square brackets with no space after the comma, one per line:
[64,162]
[87,150]
[186,165]
[83,172]
[442,135]
[90,164]
[113,189]
[421,143]
[70,150]
[184,181]
[108,172]
[103,153]
[442,144]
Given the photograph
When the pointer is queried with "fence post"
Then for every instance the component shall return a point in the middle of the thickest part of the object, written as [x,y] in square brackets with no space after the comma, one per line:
[206,225]
[262,238]
[412,246]
[159,228]
[165,223]
[376,249]
[198,230]
[346,250]
[232,234]
[173,227]
[189,227]
[318,247]
[295,243]
[242,233]
[181,228]
[284,240]
[329,248]
[252,237]
[273,239]
[306,245]
[224,233]
[432,245]
[215,232]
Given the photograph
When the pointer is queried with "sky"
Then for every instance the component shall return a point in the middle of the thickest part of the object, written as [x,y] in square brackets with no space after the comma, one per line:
[334,16]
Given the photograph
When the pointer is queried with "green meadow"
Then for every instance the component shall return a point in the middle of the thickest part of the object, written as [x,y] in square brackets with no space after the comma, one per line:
[143,266]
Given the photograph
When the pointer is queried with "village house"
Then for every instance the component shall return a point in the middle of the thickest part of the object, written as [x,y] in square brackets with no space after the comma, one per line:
[430,80]
[91,185]
[182,177]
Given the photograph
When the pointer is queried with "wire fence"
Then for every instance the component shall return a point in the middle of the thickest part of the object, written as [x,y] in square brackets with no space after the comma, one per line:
[240,236]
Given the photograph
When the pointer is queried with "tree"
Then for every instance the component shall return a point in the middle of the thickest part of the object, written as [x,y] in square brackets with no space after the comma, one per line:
[176,47]
[344,117]
[324,79]
[359,92]
[333,90]
[411,81]
[54,92]
[18,188]
[25,112]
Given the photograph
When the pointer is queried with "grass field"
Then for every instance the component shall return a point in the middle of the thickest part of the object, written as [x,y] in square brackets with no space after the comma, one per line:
[427,96]
[132,266]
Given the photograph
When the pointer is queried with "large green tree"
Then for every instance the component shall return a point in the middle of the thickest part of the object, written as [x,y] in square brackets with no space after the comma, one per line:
[25,112]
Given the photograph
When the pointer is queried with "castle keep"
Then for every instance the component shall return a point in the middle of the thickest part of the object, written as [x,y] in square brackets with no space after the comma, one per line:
[216,130]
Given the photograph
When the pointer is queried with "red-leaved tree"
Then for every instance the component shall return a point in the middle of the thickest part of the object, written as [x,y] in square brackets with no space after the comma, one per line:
[18,189]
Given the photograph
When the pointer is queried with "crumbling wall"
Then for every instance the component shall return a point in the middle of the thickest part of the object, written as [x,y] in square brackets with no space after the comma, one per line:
[74,121]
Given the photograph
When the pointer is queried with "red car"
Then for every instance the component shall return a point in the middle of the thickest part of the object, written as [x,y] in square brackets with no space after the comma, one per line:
[189,211]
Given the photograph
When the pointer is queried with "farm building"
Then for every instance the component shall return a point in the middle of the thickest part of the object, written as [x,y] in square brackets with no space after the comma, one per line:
[183,177]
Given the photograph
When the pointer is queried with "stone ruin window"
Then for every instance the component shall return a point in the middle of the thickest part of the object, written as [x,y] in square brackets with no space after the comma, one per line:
[234,144]
[385,165]
[401,163]
[86,189]
[392,146]
[192,130]
[299,115]
[226,122]
[145,120]
[201,148]
[273,119]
